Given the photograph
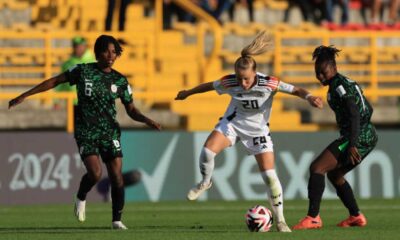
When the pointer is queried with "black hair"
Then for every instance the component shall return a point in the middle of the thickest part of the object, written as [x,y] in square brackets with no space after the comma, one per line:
[102,43]
[325,54]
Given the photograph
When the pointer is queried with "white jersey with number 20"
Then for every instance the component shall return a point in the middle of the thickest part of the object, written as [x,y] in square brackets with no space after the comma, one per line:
[247,116]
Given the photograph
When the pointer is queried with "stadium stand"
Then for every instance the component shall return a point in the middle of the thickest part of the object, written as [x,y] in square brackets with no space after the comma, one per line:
[160,63]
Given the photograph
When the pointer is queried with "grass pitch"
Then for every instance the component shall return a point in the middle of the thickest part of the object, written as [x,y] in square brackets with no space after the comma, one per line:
[191,220]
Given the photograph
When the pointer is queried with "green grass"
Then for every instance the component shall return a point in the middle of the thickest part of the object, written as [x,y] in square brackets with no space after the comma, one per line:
[191,220]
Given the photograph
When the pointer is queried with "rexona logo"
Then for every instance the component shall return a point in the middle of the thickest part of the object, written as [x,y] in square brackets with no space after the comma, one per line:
[236,175]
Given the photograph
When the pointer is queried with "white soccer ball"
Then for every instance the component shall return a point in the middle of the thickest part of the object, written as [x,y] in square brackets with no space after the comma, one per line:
[259,219]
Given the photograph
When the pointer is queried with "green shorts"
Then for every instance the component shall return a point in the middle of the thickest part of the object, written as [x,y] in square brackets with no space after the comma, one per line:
[107,149]
[366,142]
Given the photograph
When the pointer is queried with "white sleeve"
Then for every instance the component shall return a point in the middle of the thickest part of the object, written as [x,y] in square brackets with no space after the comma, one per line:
[219,88]
[285,87]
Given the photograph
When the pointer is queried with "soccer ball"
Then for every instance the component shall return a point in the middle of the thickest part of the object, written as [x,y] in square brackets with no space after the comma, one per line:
[259,219]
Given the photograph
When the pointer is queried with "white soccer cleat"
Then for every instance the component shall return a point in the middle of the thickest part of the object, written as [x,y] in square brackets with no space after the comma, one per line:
[282,227]
[118,225]
[79,210]
[195,192]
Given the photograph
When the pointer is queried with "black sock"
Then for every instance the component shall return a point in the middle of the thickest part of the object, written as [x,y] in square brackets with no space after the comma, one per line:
[316,187]
[345,193]
[84,187]
[118,201]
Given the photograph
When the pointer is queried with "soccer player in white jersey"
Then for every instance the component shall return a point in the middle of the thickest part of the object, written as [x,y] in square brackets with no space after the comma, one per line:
[246,120]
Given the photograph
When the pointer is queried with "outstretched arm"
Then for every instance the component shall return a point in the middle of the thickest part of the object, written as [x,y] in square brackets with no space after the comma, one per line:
[204,87]
[312,100]
[136,115]
[44,86]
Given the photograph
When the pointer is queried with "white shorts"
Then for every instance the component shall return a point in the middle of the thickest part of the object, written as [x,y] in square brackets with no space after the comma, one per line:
[254,143]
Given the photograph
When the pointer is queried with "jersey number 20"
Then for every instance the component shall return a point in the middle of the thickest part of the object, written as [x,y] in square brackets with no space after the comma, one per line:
[250,104]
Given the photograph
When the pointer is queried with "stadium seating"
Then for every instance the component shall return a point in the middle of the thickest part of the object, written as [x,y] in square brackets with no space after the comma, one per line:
[158,66]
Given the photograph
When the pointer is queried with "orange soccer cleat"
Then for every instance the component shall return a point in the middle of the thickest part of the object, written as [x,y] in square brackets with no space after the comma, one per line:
[352,221]
[309,223]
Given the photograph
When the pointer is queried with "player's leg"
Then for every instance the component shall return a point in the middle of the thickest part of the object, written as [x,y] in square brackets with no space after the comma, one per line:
[324,163]
[368,141]
[114,169]
[215,143]
[266,163]
[345,193]
[92,176]
[111,153]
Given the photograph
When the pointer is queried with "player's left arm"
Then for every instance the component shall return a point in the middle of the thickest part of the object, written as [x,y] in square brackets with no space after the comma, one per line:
[136,115]
[42,87]
[355,118]
[301,93]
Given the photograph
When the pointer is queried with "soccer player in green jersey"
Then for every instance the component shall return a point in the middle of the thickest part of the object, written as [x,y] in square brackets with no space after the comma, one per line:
[358,138]
[97,131]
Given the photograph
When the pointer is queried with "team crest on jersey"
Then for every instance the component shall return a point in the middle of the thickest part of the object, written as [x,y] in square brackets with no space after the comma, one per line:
[114,88]
[340,90]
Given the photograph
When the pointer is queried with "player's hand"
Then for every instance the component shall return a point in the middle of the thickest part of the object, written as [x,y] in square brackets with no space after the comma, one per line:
[182,95]
[315,101]
[153,124]
[354,155]
[14,102]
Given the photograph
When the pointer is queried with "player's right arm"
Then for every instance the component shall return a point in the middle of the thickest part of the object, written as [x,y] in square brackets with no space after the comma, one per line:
[204,87]
[42,87]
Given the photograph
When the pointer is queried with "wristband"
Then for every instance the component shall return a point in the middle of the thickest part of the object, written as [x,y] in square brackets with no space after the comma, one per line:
[307,96]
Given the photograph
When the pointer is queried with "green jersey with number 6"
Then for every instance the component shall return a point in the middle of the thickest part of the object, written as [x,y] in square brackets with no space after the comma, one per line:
[95,116]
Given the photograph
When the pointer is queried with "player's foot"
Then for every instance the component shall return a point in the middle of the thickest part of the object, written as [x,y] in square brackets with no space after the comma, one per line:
[352,221]
[118,225]
[195,192]
[79,210]
[282,227]
[309,223]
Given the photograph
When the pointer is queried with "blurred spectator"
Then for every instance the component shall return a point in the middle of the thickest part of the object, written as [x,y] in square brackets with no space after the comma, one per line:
[344,6]
[169,9]
[122,14]
[80,54]
[221,7]
[318,11]
[249,4]
[365,5]
[377,9]
[304,6]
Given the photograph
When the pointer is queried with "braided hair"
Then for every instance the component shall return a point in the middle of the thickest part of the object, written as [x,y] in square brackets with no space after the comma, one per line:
[102,42]
[325,54]
[261,44]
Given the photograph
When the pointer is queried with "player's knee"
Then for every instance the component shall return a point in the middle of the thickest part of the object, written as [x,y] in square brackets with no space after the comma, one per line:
[335,178]
[316,168]
[207,155]
[117,181]
[95,175]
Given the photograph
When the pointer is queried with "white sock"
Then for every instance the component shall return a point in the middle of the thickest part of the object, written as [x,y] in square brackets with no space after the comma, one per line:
[206,164]
[275,193]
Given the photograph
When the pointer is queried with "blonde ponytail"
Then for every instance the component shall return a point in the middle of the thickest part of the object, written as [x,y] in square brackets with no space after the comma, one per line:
[261,44]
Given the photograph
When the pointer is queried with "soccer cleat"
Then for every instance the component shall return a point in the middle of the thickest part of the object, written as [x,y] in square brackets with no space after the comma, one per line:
[118,225]
[195,192]
[282,227]
[309,223]
[352,221]
[79,210]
